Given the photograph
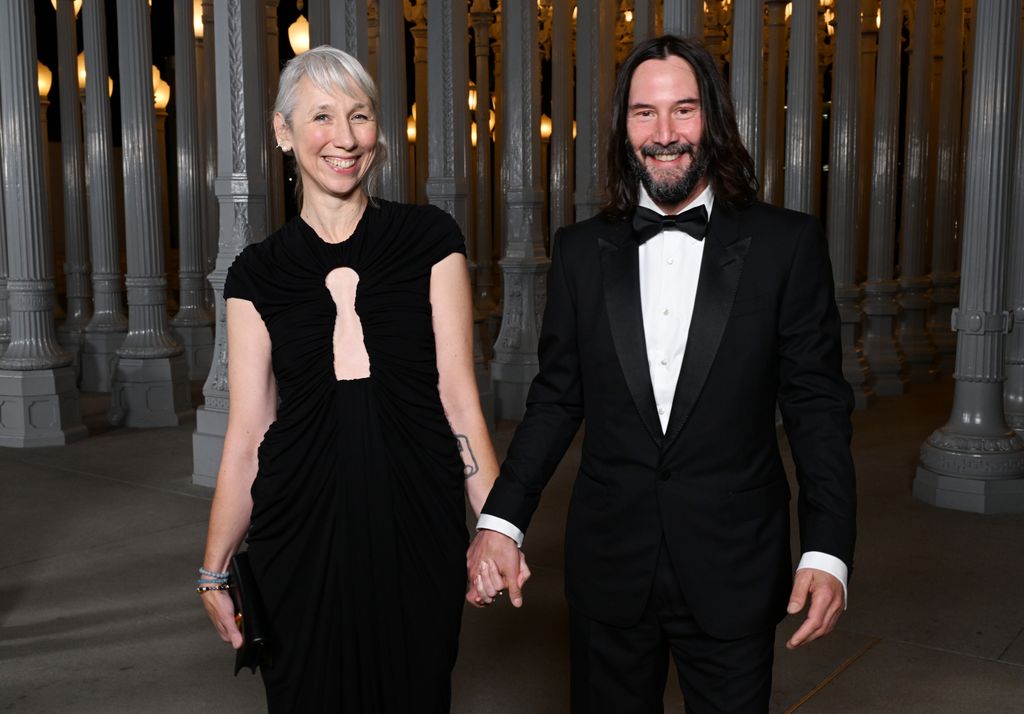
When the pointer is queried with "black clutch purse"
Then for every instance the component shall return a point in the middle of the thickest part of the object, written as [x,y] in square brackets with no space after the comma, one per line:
[250,615]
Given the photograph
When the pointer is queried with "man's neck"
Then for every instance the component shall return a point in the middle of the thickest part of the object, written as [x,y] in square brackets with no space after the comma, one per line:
[701,195]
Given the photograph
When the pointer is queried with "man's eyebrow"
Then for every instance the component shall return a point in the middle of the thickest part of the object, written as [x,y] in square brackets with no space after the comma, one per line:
[645,105]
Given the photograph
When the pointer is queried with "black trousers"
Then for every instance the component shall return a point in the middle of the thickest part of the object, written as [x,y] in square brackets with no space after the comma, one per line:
[623,670]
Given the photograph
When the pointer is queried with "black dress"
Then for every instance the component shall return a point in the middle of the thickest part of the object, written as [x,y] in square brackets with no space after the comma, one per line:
[358,534]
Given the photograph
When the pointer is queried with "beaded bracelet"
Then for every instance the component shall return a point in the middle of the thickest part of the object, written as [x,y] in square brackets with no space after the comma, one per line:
[211,581]
[214,574]
[210,588]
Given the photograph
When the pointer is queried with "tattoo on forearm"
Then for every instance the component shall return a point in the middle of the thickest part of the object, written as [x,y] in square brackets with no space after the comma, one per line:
[470,466]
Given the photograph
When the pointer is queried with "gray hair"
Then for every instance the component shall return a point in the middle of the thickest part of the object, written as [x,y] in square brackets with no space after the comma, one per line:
[330,70]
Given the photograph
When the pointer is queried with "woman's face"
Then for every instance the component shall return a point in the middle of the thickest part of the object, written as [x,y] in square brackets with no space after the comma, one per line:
[333,137]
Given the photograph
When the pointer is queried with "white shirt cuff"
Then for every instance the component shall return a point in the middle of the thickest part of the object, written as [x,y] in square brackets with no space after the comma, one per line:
[831,565]
[493,523]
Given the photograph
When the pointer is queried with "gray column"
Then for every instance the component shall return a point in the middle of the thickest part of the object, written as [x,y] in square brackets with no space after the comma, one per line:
[5,313]
[865,126]
[842,198]
[483,18]
[560,149]
[746,71]
[803,124]
[914,283]
[151,378]
[208,127]
[109,324]
[275,162]
[348,28]
[318,15]
[595,75]
[1013,390]
[241,191]
[945,276]
[76,260]
[448,186]
[976,462]
[37,384]
[372,40]
[417,14]
[880,345]
[524,266]
[644,17]
[775,98]
[394,106]
[193,324]
[684,17]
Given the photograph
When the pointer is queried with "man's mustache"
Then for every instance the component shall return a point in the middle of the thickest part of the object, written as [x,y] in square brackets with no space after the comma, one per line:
[673,148]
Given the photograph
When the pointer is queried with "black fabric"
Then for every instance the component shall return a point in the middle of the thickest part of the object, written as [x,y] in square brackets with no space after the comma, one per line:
[358,532]
[648,223]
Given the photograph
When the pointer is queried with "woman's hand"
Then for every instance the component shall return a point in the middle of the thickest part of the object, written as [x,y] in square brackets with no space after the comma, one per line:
[221,611]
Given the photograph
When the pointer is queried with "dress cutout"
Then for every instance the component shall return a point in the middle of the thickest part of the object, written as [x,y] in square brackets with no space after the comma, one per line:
[358,532]
[350,358]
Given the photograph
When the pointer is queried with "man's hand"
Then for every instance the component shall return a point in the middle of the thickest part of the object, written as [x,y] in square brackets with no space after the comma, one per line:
[827,601]
[494,564]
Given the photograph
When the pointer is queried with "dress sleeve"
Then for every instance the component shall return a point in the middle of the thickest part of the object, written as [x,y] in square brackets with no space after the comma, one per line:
[239,283]
[446,236]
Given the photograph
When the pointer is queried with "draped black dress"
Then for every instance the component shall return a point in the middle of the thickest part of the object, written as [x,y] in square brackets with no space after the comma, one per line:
[358,533]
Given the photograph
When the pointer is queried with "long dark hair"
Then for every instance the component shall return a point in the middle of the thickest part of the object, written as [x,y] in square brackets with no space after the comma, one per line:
[730,169]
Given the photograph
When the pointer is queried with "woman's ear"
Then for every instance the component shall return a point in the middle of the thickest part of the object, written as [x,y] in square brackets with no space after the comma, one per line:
[282,133]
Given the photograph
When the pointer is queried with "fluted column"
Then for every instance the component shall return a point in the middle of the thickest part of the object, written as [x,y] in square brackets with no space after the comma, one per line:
[802,121]
[524,266]
[880,344]
[914,283]
[5,313]
[976,462]
[151,378]
[393,104]
[348,29]
[560,150]
[684,17]
[1013,390]
[372,40]
[865,126]
[318,15]
[945,276]
[241,192]
[193,324]
[842,198]
[595,75]
[643,20]
[775,98]
[109,324]
[37,384]
[417,14]
[208,119]
[746,71]
[275,162]
[76,260]
[482,19]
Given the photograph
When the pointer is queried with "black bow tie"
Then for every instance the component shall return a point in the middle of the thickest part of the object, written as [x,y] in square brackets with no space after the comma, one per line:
[647,223]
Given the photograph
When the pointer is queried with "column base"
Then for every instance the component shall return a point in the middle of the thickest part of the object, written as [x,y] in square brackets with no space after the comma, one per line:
[39,408]
[74,342]
[197,341]
[207,445]
[511,384]
[150,393]
[99,360]
[964,493]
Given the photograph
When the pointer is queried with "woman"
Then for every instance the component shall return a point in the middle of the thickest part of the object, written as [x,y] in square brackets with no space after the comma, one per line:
[354,422]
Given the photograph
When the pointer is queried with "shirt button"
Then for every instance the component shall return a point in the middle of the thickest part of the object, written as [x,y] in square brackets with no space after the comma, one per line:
[670,261]
[665,312]
[661,411]
[664,362]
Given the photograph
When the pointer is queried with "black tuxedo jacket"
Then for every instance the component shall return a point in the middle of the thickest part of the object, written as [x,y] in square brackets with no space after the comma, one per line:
[765,329]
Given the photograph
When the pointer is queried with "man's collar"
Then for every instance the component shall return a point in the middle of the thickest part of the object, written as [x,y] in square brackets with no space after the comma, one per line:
[705,198]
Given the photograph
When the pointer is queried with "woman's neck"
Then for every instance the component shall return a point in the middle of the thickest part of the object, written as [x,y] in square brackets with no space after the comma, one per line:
[334,219]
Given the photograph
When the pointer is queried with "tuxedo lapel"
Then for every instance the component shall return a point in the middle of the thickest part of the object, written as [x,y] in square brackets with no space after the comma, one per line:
[620,272]
[721,266]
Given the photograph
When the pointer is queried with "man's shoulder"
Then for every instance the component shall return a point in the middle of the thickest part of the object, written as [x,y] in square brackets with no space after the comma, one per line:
[590,230]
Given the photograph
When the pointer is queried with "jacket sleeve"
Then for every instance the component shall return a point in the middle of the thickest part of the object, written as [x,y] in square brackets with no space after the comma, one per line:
[816,401]
[554,405]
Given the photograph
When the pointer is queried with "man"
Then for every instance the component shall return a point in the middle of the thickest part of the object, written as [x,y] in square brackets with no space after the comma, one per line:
[674,340]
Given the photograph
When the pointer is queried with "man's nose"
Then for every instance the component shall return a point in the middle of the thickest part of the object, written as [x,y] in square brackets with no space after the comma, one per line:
[665,131]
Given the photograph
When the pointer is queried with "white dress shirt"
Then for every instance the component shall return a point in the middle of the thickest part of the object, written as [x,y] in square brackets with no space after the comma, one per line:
[669,270]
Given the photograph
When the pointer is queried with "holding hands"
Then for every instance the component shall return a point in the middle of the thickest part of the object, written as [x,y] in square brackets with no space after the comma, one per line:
[494,564]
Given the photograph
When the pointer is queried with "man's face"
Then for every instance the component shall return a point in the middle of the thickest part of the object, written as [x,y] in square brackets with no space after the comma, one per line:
[664,126]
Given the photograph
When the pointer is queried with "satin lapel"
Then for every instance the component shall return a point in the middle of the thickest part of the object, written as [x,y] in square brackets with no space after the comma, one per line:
[721,266]
[620,271]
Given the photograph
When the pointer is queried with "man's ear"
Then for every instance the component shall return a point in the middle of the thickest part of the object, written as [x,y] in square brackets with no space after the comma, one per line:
[282,133]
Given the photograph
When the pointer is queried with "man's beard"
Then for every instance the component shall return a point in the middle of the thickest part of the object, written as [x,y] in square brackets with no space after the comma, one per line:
[671,192]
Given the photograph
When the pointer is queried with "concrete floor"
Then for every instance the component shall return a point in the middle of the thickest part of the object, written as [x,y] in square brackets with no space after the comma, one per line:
[99,542]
